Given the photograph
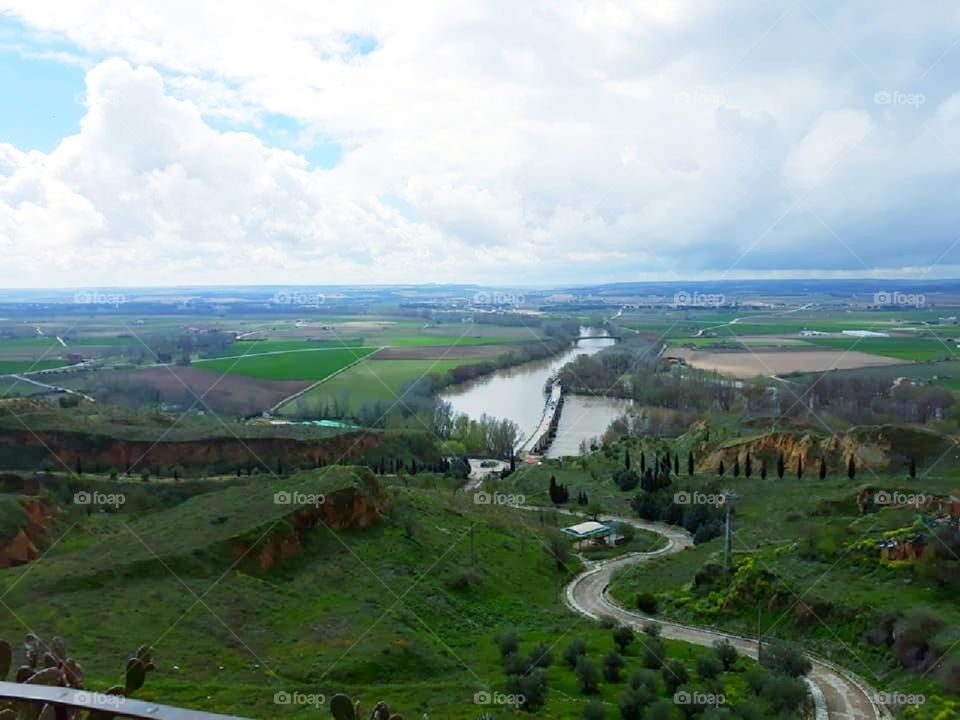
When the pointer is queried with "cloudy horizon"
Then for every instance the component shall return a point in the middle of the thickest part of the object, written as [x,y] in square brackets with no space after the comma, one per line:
[550,143]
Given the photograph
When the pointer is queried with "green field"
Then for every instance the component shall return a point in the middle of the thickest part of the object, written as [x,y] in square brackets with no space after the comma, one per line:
[902,348]
[21,366]
[288,365]
[370,381]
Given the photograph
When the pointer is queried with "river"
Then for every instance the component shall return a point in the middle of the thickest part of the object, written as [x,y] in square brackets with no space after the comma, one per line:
[517,394]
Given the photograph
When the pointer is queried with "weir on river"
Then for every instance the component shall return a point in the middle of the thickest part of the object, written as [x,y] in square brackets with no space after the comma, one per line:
[539,441]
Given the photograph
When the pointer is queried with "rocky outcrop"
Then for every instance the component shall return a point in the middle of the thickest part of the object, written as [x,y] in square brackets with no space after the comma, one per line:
[352,507]
[211,454]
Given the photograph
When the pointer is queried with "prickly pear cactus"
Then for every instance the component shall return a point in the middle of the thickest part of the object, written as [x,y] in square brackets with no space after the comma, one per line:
[343,708]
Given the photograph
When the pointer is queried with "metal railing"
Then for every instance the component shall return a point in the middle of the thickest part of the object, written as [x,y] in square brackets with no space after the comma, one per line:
[115,705]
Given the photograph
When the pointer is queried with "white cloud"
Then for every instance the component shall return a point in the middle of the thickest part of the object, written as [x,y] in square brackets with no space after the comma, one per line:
[536,142]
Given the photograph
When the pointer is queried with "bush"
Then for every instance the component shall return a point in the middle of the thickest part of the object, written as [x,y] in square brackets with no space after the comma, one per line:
[541,656]
[785,658]
[574,650]
[756,678]
[660,710]
[727,653]
[587,675]
[532,686]
[623,636]
[674,675]
[633,702]
[652,629]
[709,666]
[784,693]
[647,603]
[626,479]
[646,680]
[654,653]
[594,711]
[508,643]
[612,665]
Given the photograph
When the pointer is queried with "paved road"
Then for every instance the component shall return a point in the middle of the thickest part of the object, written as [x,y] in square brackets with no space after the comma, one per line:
[841,696]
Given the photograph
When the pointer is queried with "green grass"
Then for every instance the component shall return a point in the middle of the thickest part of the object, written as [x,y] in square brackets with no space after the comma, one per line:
[288,365]
[371,381]
[404,609]
[21,366]
[902,348]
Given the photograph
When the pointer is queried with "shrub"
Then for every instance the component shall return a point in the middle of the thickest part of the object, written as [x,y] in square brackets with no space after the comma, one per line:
[660,710]
[646,680]
[709,666]
[533,687]
[623,636]
[633,702]
[508,643]
[652,629]
[756,678]
[654,653]
[727,653]
[674,675]
[784,693]
[785,658]
[541,656]
[594,711]
[647,603]
[612,665]
[574,650]
[587,675]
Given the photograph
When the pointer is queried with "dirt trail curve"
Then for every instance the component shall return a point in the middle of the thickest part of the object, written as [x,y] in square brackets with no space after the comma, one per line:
[846,696]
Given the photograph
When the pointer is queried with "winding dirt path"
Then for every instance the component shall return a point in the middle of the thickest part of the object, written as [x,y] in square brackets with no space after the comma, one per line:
[839,694]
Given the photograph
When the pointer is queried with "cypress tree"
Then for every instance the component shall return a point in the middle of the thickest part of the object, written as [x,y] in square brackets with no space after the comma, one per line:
[780,466]
[643,462]
[913,468]
[690,463]
[721,470]
[736,467]
[626,460]
[799,467]
[851,468]
[676,464]
[823,468]
[763,469]
[748,466]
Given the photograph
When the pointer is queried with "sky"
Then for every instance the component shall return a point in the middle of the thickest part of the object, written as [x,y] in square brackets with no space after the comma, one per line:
[566,142]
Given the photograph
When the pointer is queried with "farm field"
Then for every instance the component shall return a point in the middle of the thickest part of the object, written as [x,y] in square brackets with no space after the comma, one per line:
[8,367]
[903,348]
[748,364]
[372,380]
[288,365]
